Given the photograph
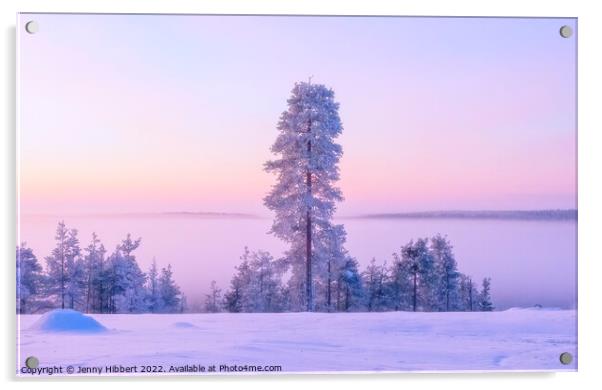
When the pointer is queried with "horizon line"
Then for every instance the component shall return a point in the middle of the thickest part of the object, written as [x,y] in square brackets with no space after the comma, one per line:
[530,214]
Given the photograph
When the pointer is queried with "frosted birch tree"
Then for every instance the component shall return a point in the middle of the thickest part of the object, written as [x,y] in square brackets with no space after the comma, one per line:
[304,196]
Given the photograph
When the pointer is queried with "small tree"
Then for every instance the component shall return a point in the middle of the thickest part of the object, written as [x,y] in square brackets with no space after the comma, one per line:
[485,296]
[93,262]
[29,279]
[468,294]
[65,270]
[234,299]
[417,262]
[374,284]
[133,279]
[213,300]
[170,292]
[447,275]
[154,301]
[350,292]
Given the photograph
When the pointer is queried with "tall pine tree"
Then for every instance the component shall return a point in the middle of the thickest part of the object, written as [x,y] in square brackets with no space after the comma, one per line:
[305,194]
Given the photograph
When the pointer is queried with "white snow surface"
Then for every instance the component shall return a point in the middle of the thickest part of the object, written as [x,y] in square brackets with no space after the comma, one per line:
[516,339]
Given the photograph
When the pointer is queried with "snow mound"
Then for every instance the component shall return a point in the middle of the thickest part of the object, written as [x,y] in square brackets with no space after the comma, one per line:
[183,325]
[66,320]
[531,308]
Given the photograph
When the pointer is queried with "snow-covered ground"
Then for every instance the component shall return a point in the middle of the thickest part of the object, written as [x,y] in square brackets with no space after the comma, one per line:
[515,339]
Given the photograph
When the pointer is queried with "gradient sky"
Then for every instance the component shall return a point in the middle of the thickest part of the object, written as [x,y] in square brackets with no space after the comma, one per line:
[126,114]
[163,113]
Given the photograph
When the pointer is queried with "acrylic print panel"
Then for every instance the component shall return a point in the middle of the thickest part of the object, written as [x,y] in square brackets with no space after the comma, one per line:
[278,194]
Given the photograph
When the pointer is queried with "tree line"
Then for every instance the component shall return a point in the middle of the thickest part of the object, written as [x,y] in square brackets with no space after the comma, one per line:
[422,276]
[92,281]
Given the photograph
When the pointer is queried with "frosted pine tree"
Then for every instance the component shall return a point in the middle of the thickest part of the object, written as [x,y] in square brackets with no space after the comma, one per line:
[132,278]
[468,293]
[305,194]
[447,275]
[485,296]
[154,301]
[170,292]
[29,279]
[264,289]
[329,246]
[374,278]
[234,299]
[256,287]
[64,267]
[400,282]
[418,261]
[213,300]
[93,262]
[350,292]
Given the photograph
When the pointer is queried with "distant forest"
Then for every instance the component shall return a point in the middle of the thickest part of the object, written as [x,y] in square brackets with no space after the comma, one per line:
[91,281]
[535,215]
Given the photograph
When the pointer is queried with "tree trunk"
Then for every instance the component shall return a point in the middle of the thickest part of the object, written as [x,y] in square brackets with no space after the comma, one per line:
[338,295]
[62,278]
[328,297]
[89,292]
[447,293]
[414,296]
[308,283]
[470,294]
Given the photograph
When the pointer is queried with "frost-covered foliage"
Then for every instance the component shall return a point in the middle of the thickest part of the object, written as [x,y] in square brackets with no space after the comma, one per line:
[256,286]
[485,296]
[305,194]
[64,268]
[468,294]
[94,262]
[446,274]
[349,290]
[154,300]
[129,279]
[423,276]
[29,280]
[377,290]
[213,300]
[317,273]
[92,282]
[170,292]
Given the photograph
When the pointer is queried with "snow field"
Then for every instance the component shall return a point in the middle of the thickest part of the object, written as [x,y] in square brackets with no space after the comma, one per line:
[516,339]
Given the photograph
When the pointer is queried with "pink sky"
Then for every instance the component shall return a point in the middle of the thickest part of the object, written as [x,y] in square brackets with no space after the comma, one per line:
[157,113]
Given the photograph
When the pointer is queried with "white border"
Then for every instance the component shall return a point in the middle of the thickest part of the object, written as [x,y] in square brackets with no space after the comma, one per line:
[590,188]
